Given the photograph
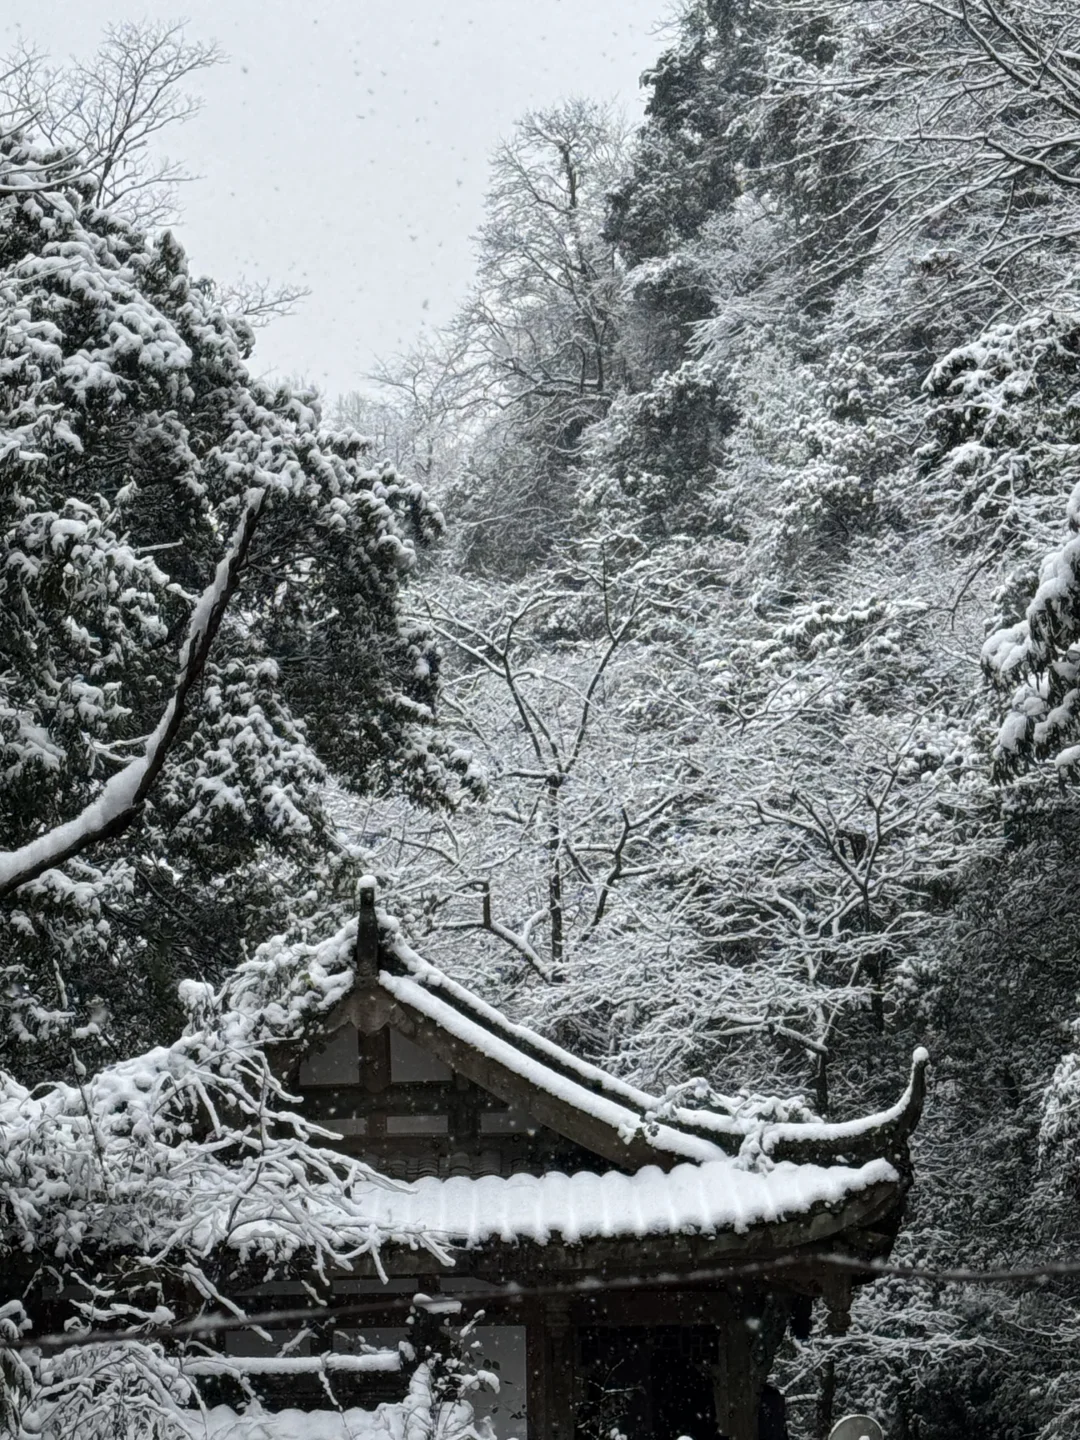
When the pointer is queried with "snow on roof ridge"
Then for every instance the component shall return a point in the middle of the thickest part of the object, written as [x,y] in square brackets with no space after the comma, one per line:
[708,1125]
[590,1075]
[628,1123]
[817,1132]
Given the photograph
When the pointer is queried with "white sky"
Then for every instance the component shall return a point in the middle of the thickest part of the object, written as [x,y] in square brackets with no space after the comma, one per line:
[344,146]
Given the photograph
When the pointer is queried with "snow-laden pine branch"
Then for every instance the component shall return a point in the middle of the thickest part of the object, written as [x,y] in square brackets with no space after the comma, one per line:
[111,812]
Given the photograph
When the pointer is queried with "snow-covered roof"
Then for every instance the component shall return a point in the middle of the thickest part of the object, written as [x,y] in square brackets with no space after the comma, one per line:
[113,1161]
[586,1104]
[716,1197]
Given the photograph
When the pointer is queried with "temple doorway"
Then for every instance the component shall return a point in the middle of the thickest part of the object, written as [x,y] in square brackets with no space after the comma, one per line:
[643,1382]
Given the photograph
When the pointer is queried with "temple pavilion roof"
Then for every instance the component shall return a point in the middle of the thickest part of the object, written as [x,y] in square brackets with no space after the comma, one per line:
[670,1169]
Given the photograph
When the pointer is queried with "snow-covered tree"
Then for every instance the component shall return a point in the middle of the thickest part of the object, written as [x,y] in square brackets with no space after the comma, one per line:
[1035,660]
[108,110]
[533,351]
[136,449]
[201,613]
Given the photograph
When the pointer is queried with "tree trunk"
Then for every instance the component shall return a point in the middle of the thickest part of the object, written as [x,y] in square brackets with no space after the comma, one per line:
[826,1399]
[555,886]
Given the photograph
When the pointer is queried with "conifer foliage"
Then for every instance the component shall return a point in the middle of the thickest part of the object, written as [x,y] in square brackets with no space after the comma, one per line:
[133,442]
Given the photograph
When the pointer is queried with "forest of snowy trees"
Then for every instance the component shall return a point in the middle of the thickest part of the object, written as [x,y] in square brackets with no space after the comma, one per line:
[687,638]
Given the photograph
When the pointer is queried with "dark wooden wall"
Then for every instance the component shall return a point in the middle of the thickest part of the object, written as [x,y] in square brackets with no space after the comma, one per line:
[408,1115]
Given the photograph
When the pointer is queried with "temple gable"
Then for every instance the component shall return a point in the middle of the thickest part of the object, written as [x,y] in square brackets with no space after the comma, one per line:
[407,1113]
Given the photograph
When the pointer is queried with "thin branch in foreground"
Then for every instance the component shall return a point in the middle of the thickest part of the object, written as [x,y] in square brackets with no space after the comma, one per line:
[205,1325]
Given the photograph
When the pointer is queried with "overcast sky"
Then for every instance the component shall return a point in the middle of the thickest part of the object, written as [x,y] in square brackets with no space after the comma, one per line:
[344,145]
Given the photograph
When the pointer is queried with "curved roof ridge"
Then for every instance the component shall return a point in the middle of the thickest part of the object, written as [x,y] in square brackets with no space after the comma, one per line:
[894,1126]
[885,1132]
[584,1071]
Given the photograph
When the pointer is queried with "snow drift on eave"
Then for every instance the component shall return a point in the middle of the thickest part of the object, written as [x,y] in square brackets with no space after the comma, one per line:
[707,1199]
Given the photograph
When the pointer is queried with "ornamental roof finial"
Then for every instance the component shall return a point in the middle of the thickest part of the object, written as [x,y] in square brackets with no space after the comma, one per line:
[366,958]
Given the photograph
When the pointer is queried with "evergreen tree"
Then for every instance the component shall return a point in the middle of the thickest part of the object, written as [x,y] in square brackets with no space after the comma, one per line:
[132,436]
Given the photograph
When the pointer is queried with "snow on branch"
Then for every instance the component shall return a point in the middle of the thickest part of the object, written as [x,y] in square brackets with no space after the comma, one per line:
[123,795]
[154,1179]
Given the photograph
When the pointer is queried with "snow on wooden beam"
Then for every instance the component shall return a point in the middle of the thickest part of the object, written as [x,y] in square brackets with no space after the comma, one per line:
[375,1361]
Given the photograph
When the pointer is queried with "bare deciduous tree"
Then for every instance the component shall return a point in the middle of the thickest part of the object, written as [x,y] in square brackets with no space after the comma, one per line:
[109,110]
